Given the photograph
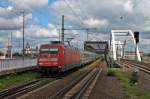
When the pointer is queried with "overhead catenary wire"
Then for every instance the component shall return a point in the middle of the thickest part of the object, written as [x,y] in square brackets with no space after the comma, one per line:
[82,12]
[77,16]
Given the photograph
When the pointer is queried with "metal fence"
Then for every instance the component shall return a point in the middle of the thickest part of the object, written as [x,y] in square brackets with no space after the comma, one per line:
[9,64]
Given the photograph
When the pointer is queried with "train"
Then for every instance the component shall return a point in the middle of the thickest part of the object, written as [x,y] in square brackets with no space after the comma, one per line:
[55,58]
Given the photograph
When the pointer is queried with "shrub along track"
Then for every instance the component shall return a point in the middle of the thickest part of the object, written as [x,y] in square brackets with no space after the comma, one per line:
[143,74]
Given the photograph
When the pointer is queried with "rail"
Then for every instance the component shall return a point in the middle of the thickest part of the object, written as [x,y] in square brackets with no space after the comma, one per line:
[141,66]
[16,92]
[82,84]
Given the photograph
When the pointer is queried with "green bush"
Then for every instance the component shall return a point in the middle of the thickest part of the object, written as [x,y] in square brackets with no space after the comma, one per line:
[133,78]
[131,90]
[110,72]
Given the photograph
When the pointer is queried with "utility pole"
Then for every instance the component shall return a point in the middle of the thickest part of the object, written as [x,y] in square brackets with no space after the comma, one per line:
[11,45]
[87,35]
[59,34]
[8,47]
[62,29]
[23,15]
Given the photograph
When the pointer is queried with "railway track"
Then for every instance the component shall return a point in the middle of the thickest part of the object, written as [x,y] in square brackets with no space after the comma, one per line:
[19,91]
[77,88]
[141,66]
[15,92]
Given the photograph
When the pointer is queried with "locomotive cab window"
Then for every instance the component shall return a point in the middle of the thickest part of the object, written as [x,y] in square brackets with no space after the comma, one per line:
[49,51]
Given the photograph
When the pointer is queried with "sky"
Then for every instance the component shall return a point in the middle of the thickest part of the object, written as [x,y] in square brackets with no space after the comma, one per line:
[43,20]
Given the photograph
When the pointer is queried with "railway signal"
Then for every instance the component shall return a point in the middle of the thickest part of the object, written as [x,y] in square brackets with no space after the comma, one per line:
[136,37]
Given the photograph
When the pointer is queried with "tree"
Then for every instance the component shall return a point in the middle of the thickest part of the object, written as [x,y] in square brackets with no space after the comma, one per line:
[16,54]
[1,53]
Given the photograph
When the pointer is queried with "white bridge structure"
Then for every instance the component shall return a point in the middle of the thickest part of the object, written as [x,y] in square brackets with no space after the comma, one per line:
[117,47]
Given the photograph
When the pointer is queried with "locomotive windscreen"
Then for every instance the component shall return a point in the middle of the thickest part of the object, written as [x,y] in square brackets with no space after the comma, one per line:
[49,51]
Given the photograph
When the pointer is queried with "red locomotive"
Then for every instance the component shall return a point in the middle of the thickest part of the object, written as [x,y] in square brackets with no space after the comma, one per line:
[56,57]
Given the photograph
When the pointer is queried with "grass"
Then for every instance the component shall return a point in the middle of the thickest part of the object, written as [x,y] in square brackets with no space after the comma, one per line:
[131,90]
[16,79]
[110,72]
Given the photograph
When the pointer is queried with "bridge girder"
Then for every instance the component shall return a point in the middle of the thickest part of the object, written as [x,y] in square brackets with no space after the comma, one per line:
[114,44]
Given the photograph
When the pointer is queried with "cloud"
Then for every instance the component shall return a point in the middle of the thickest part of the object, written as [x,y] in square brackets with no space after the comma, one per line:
[5,13]
[102,14]
[37,31]
[105,15]
[11,15]
[28,4]
[96,22]
[13,22]
[34,34]
[2,39]
[128,6]
[6,24]
[106,11]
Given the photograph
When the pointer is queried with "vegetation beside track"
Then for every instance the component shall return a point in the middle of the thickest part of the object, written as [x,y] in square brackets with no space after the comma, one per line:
[131,90]
[16,79]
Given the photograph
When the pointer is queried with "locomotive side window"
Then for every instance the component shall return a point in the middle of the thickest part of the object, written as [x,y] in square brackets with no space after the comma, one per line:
[49,51]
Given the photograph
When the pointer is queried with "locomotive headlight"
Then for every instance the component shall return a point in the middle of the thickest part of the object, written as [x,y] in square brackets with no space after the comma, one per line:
[40,63]
[54,59]
[59,67]
[55,63]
